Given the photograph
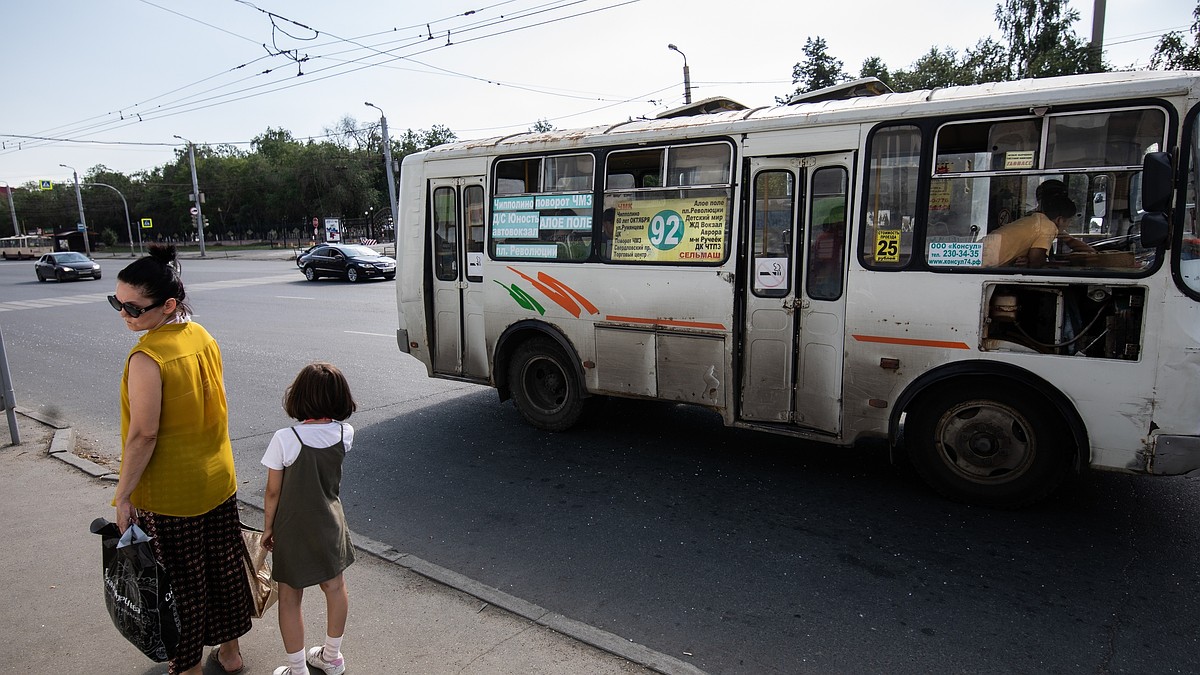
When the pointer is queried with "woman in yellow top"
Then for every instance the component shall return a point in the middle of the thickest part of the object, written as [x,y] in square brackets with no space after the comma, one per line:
[177,477]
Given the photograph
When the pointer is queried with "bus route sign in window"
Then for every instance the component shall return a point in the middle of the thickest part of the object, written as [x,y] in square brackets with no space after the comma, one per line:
[542,208]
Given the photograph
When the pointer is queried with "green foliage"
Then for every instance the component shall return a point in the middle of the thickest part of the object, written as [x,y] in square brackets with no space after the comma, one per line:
[541,126]
[109,237]
[1174,53]
[818,69]
[1042,41]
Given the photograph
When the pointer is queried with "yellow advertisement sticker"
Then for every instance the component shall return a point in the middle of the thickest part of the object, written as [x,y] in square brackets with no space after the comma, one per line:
[887,246]
[671,230]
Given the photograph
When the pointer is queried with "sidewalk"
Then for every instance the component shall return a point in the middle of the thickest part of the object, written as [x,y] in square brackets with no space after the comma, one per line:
[406,615]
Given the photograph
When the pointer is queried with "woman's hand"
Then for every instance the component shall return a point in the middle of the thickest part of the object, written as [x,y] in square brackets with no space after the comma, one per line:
[126,514]
[268,538]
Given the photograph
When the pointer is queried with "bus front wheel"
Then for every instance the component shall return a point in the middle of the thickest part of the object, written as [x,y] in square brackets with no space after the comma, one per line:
[545,388]
[994,445]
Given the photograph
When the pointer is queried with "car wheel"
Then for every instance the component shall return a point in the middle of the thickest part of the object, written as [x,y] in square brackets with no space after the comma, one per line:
[310,273]
[39,275]
[545,388]
[96,276]
[1001,445]
[389,277]
[58,276]
[352,275]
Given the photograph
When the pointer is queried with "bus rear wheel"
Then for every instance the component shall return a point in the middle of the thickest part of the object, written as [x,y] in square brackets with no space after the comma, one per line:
[1003,445]
[545,388]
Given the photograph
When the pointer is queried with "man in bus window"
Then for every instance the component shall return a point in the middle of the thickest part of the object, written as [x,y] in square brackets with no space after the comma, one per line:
[1027,241]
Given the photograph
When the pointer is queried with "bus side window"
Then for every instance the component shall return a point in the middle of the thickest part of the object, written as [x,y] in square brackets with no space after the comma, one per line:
[445,234]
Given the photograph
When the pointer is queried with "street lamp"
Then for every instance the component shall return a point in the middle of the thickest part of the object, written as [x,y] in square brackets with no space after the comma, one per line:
[195,192]
[13,210]
[393,205]
[687,75]
[87,245]
[128,224]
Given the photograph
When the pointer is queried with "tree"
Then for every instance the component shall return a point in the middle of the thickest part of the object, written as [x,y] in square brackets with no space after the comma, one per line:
[873,66]
[1172,51]
[1042,41]
[542,126]
[933,69]
[818,69]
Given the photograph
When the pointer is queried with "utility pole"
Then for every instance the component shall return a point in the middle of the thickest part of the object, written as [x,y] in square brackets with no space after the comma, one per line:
[13,210]
[195,193]
[1098,7]
[393,206]
[87,245]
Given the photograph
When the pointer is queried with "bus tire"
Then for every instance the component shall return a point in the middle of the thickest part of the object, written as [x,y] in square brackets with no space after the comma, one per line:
[545,388]
[1001,445]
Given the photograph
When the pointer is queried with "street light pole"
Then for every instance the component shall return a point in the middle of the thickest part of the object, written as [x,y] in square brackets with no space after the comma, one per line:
[687,78]
[87,245]
[195,192]
[13,210]
[128,225]
[393,205]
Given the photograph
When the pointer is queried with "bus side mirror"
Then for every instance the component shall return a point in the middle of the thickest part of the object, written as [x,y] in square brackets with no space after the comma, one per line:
[1154,229]
[1156,182]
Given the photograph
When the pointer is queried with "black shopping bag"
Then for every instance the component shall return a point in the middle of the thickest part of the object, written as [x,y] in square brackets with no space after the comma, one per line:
[138,594]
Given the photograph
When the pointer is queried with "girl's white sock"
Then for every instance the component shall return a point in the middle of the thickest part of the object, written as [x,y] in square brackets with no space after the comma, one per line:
[297,664]
[333,649]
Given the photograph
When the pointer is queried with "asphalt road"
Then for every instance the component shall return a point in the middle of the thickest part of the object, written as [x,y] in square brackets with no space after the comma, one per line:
[735,551]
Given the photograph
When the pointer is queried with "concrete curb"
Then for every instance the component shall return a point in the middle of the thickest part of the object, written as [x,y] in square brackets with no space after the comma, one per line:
[62,448]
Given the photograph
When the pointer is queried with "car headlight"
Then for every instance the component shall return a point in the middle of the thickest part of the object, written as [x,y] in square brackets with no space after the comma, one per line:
[61,269]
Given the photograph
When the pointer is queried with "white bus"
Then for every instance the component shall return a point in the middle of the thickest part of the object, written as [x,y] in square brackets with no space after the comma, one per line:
[836,269]
[25,246]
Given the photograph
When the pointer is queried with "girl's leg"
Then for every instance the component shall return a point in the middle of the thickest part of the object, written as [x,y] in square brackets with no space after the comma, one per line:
[337,608]
[291,617]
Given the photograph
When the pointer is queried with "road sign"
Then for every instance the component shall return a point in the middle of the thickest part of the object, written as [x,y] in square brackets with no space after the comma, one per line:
[79,227]
[195,210]
[147,223]
[46,185]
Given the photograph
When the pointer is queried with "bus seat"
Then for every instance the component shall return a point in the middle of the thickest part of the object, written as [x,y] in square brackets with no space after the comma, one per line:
[620,181]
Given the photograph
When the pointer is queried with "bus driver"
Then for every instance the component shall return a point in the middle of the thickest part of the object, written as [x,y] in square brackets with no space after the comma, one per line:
[1029,239]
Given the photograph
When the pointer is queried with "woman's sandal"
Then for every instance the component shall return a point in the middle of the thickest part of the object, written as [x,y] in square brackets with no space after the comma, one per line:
[214,657]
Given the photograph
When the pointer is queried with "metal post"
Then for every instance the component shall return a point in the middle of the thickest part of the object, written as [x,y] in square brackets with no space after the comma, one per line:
[87,244]
[13,210]
[687,77]
[128,224]
[393,205]
[7,397]
[196,193]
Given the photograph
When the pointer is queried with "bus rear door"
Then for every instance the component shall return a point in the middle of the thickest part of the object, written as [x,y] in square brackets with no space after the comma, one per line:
[795,301]
[456,246]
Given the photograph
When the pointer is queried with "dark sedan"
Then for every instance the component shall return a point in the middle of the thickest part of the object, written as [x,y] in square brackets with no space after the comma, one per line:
[350,261]
[66,265]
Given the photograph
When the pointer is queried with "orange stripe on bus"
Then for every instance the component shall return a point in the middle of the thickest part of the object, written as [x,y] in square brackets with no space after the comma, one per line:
[667,322]
[910,341]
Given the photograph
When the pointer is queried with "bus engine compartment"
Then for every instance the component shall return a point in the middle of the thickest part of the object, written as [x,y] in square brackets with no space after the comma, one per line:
[1099,321]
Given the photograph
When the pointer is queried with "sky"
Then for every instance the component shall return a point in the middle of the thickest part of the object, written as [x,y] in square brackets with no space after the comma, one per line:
[113,82]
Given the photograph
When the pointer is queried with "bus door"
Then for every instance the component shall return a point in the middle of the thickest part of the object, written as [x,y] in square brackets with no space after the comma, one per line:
[456,244]
[795,300]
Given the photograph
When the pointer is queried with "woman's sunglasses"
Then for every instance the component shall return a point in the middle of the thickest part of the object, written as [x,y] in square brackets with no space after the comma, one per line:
[129,308]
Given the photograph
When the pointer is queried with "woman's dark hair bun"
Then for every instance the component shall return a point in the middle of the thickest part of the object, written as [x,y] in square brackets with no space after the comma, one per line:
[163,253]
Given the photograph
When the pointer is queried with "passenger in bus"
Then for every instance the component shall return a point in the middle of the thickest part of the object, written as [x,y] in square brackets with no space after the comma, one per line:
[1028,241]
[828,250]
[607,228]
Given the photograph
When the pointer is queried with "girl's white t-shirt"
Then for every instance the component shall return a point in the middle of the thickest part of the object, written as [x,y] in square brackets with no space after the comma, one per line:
[285,447]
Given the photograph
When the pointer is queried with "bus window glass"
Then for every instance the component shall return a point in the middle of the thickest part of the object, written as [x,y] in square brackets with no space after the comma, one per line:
[445,234]
[773,207]
[550,220]
[698,165]
[518,176]
[1189,251]
[566,174]
[474,233]
[687,224]
[827,234]
[1106,139]
[994,145]
[890,196]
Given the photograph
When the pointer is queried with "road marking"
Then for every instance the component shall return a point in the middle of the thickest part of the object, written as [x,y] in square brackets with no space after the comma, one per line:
[84,298]
[359,332]
[294,297]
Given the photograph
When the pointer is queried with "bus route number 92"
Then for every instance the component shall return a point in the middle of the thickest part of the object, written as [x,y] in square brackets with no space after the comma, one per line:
[666,230]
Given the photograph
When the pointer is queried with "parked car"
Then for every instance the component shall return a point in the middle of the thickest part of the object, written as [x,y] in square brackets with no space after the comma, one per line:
[66,265]
[351,261]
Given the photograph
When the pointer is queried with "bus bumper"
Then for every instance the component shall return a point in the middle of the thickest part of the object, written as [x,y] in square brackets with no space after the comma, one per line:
[1174,455]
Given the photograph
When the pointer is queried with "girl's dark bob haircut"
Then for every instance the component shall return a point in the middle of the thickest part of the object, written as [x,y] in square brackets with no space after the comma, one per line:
[320,391]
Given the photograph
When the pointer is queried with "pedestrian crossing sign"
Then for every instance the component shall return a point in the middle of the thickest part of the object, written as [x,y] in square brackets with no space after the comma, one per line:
[46,185]
[147,223]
